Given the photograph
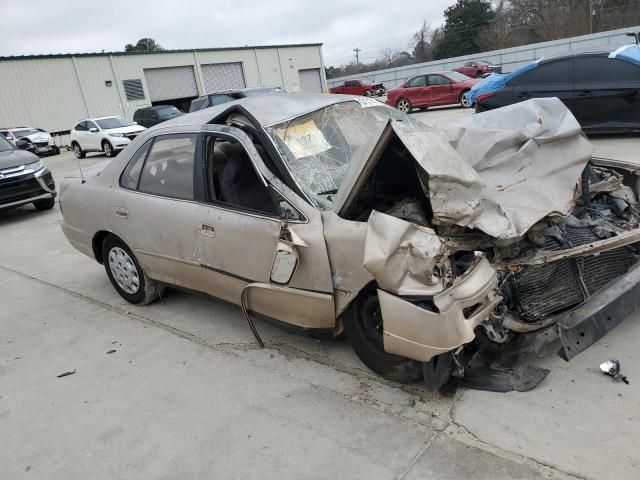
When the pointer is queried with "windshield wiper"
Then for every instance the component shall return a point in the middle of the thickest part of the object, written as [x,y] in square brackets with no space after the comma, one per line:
[328,192]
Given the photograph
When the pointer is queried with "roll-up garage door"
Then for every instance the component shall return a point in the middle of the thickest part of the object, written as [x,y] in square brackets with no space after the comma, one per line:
[171,82]
[222,76]
[310,80]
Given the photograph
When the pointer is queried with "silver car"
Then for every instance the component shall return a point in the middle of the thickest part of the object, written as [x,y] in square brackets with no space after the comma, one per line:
[440,253]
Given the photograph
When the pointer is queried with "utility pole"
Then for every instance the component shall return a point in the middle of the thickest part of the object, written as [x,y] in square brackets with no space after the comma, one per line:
[591,14]
[357,50]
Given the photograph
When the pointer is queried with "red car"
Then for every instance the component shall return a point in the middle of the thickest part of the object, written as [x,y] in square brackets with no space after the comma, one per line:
[478,69]
[364,87]
[430,90]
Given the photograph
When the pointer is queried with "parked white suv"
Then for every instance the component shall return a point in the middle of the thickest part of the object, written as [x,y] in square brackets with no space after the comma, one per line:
[104,134]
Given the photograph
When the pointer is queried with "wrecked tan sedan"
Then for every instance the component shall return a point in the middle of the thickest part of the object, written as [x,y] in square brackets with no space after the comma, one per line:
[444,254]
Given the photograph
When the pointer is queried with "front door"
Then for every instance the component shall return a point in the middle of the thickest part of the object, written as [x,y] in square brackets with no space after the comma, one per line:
[441,92]
[241,229]
[93,138]
[552,79]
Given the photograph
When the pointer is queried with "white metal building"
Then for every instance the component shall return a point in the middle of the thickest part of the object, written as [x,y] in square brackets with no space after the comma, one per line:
[55,91]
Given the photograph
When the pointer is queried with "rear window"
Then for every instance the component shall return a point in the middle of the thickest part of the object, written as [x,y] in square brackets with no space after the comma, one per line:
[167,110]
[600,69]
[548,73]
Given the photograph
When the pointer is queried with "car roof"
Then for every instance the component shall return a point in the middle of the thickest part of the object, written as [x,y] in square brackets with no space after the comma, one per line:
[265,109]
[573,54]
[153,107]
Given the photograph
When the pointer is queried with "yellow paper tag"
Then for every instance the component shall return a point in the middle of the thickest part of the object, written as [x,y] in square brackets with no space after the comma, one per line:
[304,139]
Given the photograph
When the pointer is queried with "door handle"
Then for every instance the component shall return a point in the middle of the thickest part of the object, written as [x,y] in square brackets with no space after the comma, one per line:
[207,230]
[523,95]
[585,93]
[121,213]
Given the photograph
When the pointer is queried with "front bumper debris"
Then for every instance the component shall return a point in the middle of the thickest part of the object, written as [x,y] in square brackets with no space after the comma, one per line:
[607,308]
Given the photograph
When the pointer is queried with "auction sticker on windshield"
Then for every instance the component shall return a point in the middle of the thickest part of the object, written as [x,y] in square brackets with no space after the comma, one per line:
[304,140]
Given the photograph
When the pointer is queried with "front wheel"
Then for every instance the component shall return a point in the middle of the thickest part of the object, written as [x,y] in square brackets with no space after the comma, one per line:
[403,105]
[126,274]
[367,93]
[364,330]
[108,149]
[465,101]
[77,150]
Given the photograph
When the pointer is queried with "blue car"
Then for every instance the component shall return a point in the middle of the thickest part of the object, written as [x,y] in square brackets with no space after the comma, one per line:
[602,89]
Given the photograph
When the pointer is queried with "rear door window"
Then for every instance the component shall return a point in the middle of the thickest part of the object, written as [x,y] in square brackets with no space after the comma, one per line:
[197,104]
[547,73]
[420,81]
[131,175]
[602,69]
[168,170]
[438,80]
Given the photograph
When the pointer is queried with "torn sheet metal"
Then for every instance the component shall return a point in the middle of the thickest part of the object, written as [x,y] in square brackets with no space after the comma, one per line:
[402,256]
[502,170]
[415,332]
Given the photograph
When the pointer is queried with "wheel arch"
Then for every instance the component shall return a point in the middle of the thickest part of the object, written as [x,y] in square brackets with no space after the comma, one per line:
[96,244]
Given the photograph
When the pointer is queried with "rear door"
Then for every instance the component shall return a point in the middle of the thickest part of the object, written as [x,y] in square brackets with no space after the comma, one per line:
[550,79]
[441,91]
[417,91]
[607,92]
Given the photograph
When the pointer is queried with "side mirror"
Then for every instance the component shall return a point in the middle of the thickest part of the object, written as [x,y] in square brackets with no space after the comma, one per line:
[284,264]
[93,130]
[24,145]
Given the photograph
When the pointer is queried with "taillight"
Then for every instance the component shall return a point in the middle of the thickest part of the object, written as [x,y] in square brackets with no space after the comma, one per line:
[484,96]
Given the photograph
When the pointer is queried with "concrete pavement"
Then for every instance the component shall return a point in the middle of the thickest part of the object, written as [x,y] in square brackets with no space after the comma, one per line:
[187,394]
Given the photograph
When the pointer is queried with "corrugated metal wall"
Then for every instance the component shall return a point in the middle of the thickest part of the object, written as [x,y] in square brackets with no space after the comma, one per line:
[54,93]
[509,58]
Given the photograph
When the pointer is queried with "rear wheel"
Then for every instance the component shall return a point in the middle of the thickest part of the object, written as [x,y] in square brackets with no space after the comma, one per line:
[465,101]
[77,150]
[55,150]
[126,274]
[364,330]
[403,105]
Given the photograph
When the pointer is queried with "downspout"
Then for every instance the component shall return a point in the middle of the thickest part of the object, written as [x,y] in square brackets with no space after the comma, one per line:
[84,100]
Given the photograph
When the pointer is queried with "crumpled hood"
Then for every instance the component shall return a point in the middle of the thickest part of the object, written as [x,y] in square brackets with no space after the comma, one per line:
[500,171]
[39,137]
[15,158]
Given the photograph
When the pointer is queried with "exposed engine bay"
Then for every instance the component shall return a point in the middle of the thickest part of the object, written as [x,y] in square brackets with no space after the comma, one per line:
[450,310]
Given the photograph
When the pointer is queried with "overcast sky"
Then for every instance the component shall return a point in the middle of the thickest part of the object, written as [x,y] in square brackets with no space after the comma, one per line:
[75,26]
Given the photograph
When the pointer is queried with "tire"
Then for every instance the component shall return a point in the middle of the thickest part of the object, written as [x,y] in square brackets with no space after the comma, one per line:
[363,327]
[404,105]
[77,150]
[45,204]
[464,101]
[55,150]
[367,93]
[132,283]
[108,150]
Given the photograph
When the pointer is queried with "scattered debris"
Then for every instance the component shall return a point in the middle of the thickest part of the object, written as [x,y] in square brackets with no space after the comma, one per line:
[66,374]
[110,352]
[612,368]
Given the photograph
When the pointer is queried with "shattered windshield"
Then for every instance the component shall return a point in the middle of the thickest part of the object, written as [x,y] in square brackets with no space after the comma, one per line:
[318,147]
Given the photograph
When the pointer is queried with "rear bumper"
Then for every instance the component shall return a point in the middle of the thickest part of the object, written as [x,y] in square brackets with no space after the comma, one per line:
[591,321]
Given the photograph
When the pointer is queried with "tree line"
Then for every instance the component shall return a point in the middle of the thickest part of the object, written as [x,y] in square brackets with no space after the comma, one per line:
[473,26]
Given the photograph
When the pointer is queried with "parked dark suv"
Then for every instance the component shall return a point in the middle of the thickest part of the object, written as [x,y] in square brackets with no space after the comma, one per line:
[24,178]
[228,96]
[150,116]
[603,93]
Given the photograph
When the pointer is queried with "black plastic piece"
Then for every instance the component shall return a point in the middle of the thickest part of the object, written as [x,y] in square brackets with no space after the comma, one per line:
[600,314]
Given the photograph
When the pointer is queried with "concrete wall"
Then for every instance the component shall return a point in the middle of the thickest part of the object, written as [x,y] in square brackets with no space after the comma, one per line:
[55,92]
[509,58]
